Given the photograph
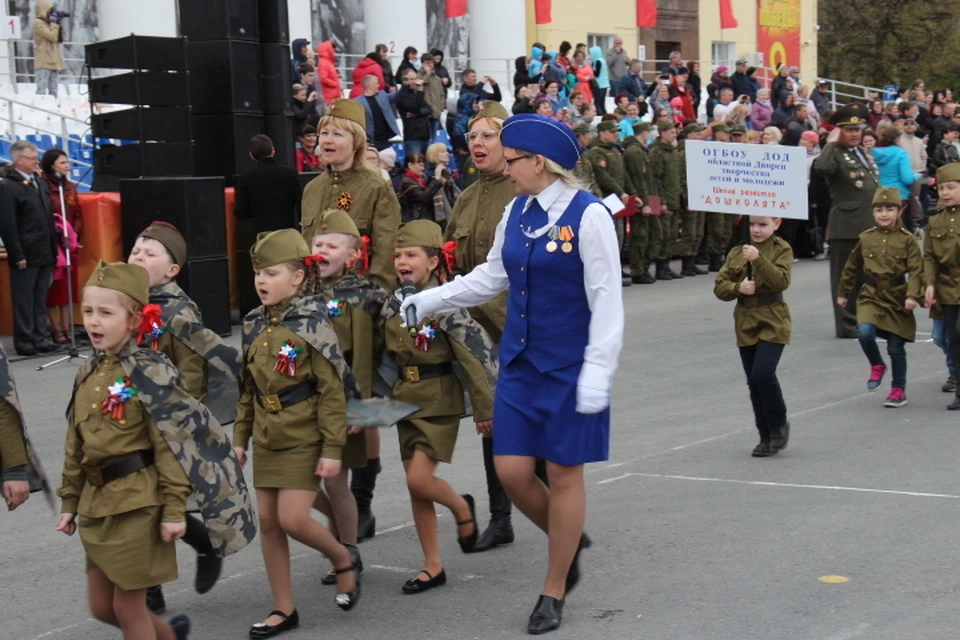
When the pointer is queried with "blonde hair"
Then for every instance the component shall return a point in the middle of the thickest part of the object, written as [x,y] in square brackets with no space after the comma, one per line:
[359,138]
[738,115]
[433,152]
[803,90]
[753,136]
[297,88]
[775,133]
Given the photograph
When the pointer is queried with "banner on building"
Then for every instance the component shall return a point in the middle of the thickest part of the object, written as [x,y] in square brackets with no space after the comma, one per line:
[778,32]
[542,11]
[747,179]
[456,8]
[727,19]
[646,13]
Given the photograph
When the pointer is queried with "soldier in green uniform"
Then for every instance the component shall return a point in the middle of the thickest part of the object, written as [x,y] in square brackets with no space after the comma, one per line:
[756,275]
[425,356]
[606,156]
[721,132]
[584,169]
[691,222]
[665,177]
[645,232]
[941,259]
[293,404]
[737,133]
[719,226]
[887,260]
[353,305]
[852,178]
[20,471]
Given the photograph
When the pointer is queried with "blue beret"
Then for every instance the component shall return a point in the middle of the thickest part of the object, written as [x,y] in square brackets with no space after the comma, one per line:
[543,136]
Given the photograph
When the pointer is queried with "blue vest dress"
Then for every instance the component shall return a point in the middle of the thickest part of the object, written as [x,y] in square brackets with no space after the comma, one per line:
[541,351]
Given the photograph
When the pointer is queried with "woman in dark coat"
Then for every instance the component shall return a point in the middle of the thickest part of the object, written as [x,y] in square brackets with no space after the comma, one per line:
[56,169]
[417,189]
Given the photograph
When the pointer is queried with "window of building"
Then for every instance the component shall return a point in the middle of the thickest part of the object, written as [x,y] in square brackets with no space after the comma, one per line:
[602,40]
[723,53]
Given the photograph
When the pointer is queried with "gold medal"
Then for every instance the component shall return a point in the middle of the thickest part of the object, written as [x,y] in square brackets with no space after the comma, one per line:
[853,175]
[551,246]
[567,247]
[858,184]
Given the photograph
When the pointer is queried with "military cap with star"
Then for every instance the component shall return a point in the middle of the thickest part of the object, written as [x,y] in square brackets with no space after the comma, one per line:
[276,247]
[349,110]
[851,116]
[887,196]
[130,279]
[336,221]
[490,109]
[419,233]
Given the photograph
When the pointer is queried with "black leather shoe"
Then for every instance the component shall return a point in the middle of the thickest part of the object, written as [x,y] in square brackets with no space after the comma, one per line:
[46,347]
[573,574]
[644,278]
[673,274]
[416,585]
[25,350]
[953,406]
[181,626]
[468,543]
[626,281]
[366,526]
[950,386]
[546,616]
[498,532]
[347,600]
[208,571]
[330,577]
[763,450]
[261,630]
[155,601]
[780,437]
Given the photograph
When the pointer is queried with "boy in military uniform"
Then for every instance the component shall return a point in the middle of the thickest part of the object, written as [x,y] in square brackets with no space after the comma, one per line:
[137,447]
[721,132]
[941,267]
[353,305]
[718,227]
[425,356]
[645,233]
[293,405]
[199,354]
[665,183]
[887,260]
[20,470]
[756,275]
[691,222]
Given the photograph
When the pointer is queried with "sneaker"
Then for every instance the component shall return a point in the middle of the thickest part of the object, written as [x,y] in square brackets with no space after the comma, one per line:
[896,399]
[876,376]
[950,386]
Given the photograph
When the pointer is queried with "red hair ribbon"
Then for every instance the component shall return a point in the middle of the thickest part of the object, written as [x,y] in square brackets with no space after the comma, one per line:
[314,259]
[450,254]
[152,325]
[364,254]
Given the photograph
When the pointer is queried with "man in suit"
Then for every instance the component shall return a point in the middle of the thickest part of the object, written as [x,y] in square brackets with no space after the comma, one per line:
[381,114]
[632,82]
[852,178]
[26,226]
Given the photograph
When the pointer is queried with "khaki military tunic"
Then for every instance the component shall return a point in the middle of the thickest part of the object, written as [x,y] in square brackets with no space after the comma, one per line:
[191,365]
[885,255]
[371,203]
[434,428]
[941,255]
[13,449]
[119,522]
[472,225]
[852,178]
[288,444]
[753,320]
[611,175]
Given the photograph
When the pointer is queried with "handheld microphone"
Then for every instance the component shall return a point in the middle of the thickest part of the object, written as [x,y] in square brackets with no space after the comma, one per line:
[407,289]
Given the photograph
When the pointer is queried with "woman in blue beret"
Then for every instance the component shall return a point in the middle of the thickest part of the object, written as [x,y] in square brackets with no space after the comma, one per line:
[555,249]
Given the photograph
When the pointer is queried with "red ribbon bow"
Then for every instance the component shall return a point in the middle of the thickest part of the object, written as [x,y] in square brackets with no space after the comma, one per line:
[450,254]
[314,259]
[364,254]
[152,319]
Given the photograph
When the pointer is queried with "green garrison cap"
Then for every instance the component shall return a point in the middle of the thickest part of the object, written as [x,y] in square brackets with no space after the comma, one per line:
[608,125]
[170,237]
[949,173]
[641,127]
[276,247]
[419,233]
[131,279]
[582,127]
[738,130]
[490,109]
[887,195]
[335,221]
[666,125]
[349,110]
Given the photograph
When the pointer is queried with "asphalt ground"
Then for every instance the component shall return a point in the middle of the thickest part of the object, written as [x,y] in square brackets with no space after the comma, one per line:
[849,533]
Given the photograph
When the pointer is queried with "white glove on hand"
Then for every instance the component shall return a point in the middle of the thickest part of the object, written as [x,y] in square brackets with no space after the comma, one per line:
[426,303]
[590,399]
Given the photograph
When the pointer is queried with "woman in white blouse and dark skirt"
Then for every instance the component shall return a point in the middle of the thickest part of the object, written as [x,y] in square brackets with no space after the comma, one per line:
[555,249]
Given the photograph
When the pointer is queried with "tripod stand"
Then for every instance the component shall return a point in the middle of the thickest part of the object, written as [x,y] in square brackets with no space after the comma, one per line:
[72,348]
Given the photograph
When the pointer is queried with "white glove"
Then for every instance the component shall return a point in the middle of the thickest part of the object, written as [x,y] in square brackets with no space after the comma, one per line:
[590,397]
[426,303]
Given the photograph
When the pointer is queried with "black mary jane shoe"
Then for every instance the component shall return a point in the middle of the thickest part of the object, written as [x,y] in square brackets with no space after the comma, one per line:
[469,543]
[181,626]
[415,585]
[262,630]
[546,616]
[348,600]
[573,575]
[330,577]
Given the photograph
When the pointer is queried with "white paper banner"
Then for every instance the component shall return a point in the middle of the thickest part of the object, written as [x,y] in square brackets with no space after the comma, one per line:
[747,179]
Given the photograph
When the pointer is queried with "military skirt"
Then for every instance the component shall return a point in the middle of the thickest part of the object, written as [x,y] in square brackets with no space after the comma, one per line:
[354,454]
[436,436]
[128,549]
[293,468]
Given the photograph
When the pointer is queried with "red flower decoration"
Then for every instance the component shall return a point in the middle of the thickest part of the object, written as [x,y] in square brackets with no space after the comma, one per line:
[152,325]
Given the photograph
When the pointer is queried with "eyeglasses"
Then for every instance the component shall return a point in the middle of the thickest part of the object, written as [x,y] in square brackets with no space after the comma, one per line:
[510,161]
[488,135]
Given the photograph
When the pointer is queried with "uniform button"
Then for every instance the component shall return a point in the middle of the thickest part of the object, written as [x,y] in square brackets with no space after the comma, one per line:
[123,422]
[269,330]
[97,389]
[265,344]
[101,375]
[523,315]
[523,268]
[93,406]
[523,339]
[523,293]
[527,245]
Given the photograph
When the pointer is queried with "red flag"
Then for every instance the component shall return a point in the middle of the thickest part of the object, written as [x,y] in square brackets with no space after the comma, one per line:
[456,8]
[646,13]
[727,19]
[542,10]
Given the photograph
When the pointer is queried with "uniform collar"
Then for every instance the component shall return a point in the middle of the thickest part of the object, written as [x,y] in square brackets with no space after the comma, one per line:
[548,196]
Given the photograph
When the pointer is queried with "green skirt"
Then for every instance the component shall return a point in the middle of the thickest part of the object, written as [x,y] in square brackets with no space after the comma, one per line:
[435,436]
[128,549]
[287,469]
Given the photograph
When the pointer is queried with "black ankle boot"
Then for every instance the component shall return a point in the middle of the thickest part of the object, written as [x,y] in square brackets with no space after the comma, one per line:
[500,529]
[209,564]
[362,483]
[663,270]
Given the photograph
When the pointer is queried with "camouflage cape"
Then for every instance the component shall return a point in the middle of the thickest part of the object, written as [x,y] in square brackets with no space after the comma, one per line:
[357,291]
[198,441]
[307,317]
[35,474]
[183,320]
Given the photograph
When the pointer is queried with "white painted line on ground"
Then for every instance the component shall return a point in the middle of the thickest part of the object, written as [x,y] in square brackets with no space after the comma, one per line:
[850,634]
[785,485]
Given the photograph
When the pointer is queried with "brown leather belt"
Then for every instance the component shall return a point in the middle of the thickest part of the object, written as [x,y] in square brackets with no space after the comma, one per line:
[752,302]
[884,283]
[427,371]
[124,466]
[274,403]
[953,272]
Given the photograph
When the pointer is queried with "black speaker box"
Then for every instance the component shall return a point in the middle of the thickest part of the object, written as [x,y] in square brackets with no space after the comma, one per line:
[105,182]
[221,144]
[307,178]
[282,130]
[274,21]
[147,53]
[202,20]
[150,159]
[275,77]
[143,123]
[141,88]
[194,205]
[224,77]
[207,282]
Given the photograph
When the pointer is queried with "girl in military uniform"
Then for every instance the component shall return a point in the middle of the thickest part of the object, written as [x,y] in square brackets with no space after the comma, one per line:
[353,303]
[119,473]
[201,356]
[882,260]
[351,185]
[756,275]
[293,406]
[425,357]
